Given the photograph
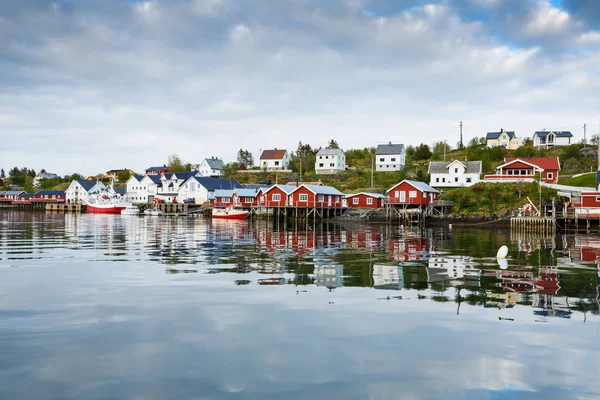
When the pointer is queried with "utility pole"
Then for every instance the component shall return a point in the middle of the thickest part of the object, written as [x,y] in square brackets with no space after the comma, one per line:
[461,140]
[372,167]
[584,129]
[444,150]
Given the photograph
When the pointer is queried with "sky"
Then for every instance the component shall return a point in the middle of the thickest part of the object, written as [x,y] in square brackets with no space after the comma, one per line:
[92,85]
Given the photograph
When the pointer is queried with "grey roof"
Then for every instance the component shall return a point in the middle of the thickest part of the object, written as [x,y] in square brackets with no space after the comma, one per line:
[286,188]
[46,175]
[240,192]
[180,175]
[13,192]
[214,163]
[330,152]
[440,167]
[50,193]
[389,148]
[422,186]
[378,195]
[496,135]
[156,169]
[326,190]
[557,133]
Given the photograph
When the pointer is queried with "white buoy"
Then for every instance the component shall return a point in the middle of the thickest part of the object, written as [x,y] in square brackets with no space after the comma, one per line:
[502,252]
[502,263]
[449,226]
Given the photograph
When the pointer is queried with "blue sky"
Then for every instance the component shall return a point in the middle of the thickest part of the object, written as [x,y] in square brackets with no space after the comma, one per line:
[102,84]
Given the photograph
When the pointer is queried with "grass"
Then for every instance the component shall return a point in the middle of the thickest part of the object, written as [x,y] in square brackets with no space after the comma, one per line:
[586,180]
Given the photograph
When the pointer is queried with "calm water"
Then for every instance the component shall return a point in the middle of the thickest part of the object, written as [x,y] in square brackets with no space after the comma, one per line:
[112,307]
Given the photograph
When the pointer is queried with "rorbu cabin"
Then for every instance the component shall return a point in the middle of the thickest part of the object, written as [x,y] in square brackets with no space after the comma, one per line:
[412,193]
[365,200]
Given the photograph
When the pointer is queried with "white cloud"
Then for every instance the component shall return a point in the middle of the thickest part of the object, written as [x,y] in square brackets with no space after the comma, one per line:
[548,20]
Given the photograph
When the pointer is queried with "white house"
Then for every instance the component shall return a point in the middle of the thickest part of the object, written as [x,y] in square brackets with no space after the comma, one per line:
[202,189]
[43,175]
[454,173]
[274,160]
[547,139]
[79,190]
[390,157]
[330,161]
[137,193]
[210,167]
[170,183]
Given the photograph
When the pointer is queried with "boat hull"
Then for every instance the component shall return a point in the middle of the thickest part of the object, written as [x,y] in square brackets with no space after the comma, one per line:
[229,214]
[104,209]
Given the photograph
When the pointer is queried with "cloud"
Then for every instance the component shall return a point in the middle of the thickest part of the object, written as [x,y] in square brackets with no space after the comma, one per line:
[138,81]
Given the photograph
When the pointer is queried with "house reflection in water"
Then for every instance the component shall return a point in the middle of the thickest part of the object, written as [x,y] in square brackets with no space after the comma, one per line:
[442,268]
[586,249]
[501,300]
[329,275]
[409,249]
[388,277]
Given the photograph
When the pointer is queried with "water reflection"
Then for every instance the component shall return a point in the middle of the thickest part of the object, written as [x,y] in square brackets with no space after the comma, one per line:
[171,308]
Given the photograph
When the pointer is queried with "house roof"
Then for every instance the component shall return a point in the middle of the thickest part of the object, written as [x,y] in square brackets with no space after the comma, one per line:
[212,184]
[154,178]
[304,183]
[27,196]
[376,195]
[496,135]
[244,192]
[120,190]
[87,185]
[180,175]
[325,190]
[389,148]
[214,163]
[50,193]
[46,175]
[441,167]
[272,154]
[157,169]
[541,162]
[116,171]
[13,192]
[285,188]
[137,177]
[556,133]
[422,186]
[330,152]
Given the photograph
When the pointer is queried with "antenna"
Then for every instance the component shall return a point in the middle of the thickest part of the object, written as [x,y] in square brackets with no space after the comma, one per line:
[461,137]
[584,129]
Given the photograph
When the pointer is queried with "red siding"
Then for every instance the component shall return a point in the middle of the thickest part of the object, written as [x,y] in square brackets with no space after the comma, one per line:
[314,200]
[590,199]
[268,198]
[396,195]
[377,202]
[49,198]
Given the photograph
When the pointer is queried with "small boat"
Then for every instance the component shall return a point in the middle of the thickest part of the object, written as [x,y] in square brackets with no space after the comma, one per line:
[229,212]
[130,210]
[152,212]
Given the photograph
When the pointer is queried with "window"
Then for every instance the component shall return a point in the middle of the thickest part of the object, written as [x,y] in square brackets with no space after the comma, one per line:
[598,199]
[456,179]
[276,197]
[355,200]
[437,179]
[549,175]
[456,170]
[443,179]
[321,165]
[332,164]
[468,180]
[424,195]
[369,200]
[393,159]
[326,157]
[276,162]
[381,159]
[320,157]
[303,197]
[337,199]
[412,194]
[321,198]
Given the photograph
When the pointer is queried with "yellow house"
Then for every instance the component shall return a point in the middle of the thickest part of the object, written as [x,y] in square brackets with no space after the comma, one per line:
[114,173]
[505,139]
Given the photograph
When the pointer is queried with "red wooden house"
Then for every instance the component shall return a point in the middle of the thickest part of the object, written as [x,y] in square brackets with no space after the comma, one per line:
[153,171]
[308,196]
[365,200]
[275,196]
[11,195]
[242,197]
[589,206]
[524,169]
[49,196]
[412,192]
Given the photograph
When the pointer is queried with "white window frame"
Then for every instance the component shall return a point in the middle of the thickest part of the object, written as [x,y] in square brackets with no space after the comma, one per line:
[355,200]
[412,194]
[549,175]
[369,201]
[321,198]
[276,197]
[302,197]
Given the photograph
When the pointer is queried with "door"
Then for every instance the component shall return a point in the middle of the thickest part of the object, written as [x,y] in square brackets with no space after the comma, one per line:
[403,197]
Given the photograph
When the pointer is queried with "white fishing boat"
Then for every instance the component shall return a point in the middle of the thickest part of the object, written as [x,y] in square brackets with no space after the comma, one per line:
[130,210]
[153,213]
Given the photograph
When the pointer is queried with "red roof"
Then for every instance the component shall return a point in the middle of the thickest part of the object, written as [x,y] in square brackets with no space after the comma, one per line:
[544,163]
[272,154]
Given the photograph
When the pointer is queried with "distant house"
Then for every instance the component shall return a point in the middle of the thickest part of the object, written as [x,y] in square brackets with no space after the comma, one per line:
[316,196]
[79,190]
[274,160]
[412,192]
[330,161]
[505,139]
[50,196]
[114,173]
[547,139]
[202,189]
[454,173]
[149,187]
[524,170]
[169,189]
[390,157]
[157,170]
[210,167]
[240,196]
[365,200]
[41,176]
[305,183]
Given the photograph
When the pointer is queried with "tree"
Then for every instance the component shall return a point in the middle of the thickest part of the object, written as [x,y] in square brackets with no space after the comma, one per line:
[422,152]
[474,142]
[244,157]
[332,144]
[175,164]
[2,174]
[595,140]
[188,167]
[439,148]
[124,175]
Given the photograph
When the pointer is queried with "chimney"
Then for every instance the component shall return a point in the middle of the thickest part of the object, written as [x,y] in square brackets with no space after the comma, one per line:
[501,130]
[390,142]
